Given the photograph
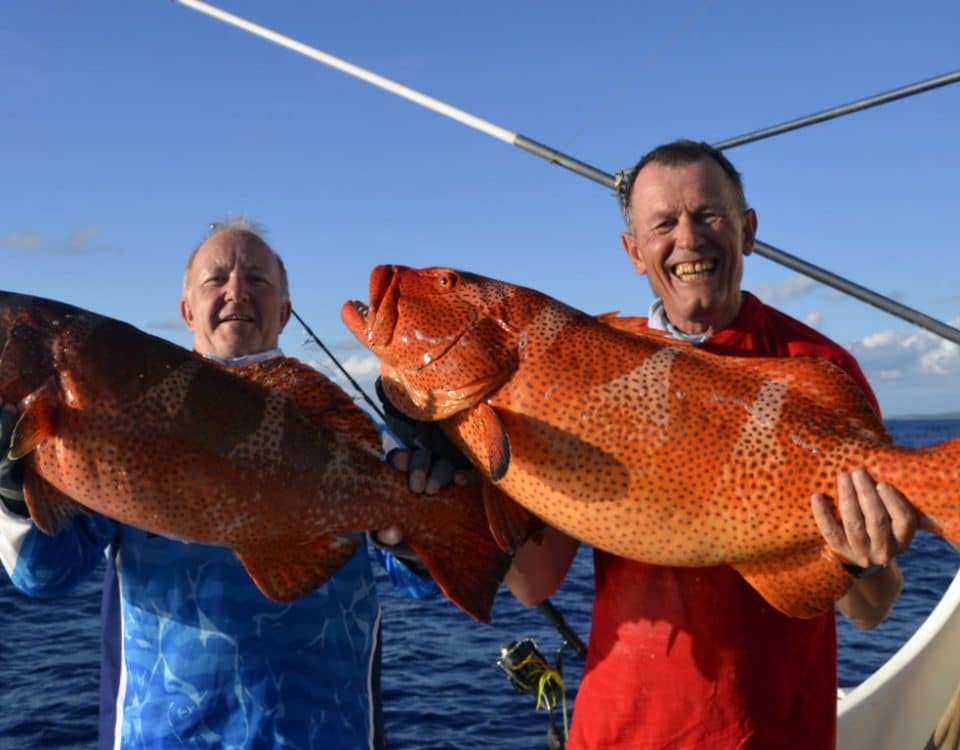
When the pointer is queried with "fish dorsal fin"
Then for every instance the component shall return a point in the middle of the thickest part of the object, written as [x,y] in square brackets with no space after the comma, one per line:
[636,325]
[629,324]
[482,431]
[287,572]
[804,583]
[50,509]
[510,523]
[36,424]
[318,397]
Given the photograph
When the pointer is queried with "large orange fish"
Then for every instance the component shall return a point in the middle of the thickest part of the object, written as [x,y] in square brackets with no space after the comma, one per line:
[648,448]
[272,460]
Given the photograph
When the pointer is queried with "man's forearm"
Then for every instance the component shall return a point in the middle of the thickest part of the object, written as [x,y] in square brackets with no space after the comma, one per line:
[869,600]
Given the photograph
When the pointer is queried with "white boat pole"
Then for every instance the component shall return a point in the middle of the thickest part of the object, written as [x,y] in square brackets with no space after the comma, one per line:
[353,70]
[447,110]
[613,182]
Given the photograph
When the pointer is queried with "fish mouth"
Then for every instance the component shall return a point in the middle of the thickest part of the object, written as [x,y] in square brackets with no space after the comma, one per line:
[696,270]
[374,323]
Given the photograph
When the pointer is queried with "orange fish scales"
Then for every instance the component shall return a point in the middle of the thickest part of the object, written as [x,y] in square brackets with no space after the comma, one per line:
[272,460]
[637,444]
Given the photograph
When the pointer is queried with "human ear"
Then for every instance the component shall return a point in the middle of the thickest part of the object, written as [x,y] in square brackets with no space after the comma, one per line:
[285,310]
[629,243]
[749,230]
[186,313]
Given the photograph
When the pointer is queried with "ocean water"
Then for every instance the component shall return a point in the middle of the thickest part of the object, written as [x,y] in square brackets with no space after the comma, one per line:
[441,688]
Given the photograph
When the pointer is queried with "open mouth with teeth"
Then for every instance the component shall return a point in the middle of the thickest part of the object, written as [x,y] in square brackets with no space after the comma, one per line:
[236,318]
[695,271]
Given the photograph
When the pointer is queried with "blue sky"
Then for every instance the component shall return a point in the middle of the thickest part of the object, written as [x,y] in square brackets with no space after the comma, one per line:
[127,127]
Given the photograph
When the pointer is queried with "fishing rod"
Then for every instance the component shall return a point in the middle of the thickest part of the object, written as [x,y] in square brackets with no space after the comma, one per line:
[570,637]
[546,607]
[370,402]
[617,182]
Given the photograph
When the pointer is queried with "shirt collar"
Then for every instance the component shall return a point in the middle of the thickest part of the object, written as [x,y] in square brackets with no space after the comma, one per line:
[247,359]
[657,320]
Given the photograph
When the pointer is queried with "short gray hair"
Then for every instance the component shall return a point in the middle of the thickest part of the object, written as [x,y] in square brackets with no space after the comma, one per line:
[679,153]
[245,225]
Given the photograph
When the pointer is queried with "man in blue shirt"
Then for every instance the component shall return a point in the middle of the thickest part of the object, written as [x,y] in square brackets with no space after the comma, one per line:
[193,655]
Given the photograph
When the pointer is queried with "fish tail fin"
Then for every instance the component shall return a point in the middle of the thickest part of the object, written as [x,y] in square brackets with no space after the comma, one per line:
[929,478]
[452,539]
[945,520]
[284,573]
[803,583]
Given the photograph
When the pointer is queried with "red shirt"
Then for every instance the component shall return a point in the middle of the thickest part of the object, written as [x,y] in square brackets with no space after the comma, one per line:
[694,658]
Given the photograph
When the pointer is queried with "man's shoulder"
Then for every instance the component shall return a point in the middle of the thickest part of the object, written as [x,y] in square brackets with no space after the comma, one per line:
[801,338]
[784,335]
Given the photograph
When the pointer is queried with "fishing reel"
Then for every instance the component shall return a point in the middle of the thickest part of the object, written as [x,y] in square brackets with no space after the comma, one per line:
[529,672]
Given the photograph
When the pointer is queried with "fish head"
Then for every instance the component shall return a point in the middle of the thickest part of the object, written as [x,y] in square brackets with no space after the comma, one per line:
[446,339]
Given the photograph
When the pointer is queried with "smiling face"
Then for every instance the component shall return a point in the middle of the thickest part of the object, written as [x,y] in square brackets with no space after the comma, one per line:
[690,233]
[234,300]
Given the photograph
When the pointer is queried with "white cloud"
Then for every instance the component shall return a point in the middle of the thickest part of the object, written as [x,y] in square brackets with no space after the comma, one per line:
[912,371]
[814,318]
[890,374]
[360,365]
[791,288]
[171,324]
[892,354]
[880,339]
[82,241]
[364,369]
[944,360]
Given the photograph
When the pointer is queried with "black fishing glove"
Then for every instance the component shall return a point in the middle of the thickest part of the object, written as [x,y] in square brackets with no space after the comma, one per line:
[11,472]
[431,451]
[414,434]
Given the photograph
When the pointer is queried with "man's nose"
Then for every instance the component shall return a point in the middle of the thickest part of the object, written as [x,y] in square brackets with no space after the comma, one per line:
[237,289]
[688,236]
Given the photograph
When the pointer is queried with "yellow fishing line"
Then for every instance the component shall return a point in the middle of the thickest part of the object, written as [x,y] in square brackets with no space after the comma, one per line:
[545,678]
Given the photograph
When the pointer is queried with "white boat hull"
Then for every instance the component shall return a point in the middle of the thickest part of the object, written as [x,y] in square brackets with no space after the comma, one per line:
[899,705]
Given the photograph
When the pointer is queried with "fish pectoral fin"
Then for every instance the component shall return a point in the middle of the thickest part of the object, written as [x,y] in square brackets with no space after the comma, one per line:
[482,428]
[287,572]
[35,425]
[804,583]
[497,442]
[50,509]
[510,523]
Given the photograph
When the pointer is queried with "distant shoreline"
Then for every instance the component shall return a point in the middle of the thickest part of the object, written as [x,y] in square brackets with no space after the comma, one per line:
[949,416]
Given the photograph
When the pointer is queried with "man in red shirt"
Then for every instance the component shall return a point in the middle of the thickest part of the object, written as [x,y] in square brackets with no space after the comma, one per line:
[694,658]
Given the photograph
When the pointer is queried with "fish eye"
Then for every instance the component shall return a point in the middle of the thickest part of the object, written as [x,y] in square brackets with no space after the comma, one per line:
[447,280]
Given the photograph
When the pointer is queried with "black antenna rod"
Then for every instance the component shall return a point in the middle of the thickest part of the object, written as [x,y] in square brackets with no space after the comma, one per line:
[614,182]
[844,109]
